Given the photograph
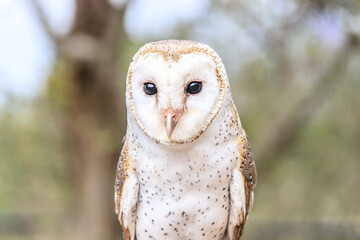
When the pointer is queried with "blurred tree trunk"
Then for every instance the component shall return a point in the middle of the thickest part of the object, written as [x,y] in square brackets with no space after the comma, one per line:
[94,120]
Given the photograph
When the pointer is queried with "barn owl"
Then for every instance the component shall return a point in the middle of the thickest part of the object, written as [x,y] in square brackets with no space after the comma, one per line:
[186,170]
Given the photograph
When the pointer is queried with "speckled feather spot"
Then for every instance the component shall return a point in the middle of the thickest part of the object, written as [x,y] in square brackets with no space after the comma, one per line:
[186,170]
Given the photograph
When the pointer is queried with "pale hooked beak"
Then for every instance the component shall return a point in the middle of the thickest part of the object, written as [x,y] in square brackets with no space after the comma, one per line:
[171,118]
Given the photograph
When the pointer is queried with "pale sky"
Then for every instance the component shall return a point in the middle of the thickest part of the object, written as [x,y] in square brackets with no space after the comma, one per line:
[26,55]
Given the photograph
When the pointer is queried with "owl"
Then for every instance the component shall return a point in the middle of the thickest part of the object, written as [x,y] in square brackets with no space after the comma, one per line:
[186,170]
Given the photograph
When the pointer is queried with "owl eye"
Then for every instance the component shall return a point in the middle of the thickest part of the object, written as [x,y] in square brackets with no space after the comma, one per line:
[194,87]
[150,88]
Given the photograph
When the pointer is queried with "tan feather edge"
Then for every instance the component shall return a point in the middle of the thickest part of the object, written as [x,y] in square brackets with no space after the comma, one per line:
[120,180]
[248,170]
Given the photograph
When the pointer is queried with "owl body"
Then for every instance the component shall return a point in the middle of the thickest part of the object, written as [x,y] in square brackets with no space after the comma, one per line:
[184,190]
[188,174]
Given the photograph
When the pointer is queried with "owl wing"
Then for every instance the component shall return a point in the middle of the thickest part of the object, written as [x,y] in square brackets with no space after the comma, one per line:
[242,184]
[126,193]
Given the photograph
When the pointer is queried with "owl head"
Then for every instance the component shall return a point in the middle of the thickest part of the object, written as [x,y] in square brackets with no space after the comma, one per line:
[175,89]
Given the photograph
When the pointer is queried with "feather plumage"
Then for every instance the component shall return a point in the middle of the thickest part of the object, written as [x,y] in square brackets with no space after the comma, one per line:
[198,181]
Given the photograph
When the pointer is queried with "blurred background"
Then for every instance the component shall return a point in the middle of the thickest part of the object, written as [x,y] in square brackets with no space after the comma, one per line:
[294,69]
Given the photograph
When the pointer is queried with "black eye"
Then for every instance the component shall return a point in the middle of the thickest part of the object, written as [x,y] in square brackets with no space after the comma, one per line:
[194,87]
[150,88]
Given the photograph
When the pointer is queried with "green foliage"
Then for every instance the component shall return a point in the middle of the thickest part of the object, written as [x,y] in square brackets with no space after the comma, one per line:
[31,160]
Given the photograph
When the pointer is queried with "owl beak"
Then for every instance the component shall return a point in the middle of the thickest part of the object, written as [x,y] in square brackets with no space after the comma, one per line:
[170,121]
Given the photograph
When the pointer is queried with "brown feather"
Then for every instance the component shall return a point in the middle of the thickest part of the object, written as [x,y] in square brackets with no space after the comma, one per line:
[247,169]
[121,176]
[247,166]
